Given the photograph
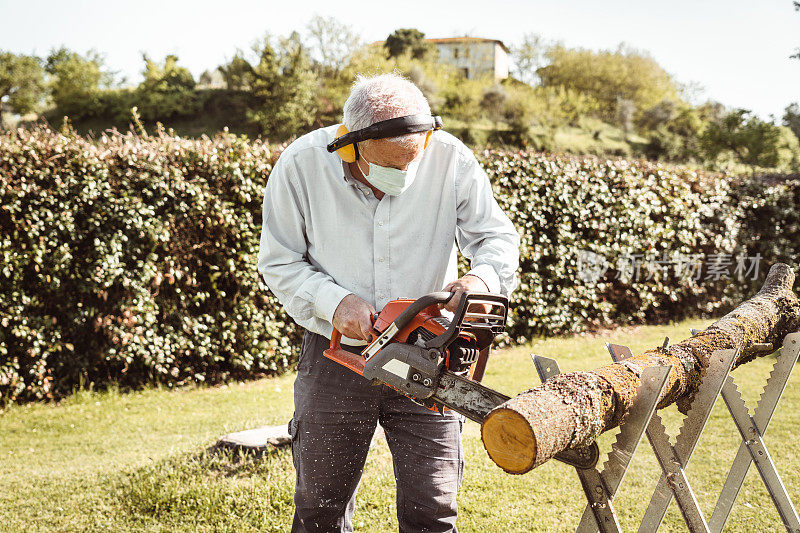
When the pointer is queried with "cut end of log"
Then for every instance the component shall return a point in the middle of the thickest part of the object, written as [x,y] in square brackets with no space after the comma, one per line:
[509,440]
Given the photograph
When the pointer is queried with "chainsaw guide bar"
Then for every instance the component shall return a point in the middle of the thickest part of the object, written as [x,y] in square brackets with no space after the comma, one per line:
[467,397]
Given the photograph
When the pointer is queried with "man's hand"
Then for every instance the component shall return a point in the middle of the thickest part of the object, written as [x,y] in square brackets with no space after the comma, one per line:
[468,283]
[353,317]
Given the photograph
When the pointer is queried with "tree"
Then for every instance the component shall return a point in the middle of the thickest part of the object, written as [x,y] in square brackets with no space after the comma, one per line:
[493,102]
[529,57]
[167,89]
[284,87]
[662,143]
[711,111]
[751,140]
[791,118]
[22,85]
[675,129]
[426,85]
[76,82]
[408,40]
[609,76]
[332,47]
[237,73]
[660,114]
[331,43]
[526,107]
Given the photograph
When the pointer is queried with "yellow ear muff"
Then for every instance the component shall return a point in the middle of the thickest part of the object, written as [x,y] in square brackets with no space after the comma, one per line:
[428,138]
[346,153]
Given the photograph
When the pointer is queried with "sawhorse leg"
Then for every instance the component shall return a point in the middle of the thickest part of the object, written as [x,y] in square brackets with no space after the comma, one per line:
[601,487]
[752,448]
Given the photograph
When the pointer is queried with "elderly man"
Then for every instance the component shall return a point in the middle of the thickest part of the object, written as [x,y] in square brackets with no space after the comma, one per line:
[341,239]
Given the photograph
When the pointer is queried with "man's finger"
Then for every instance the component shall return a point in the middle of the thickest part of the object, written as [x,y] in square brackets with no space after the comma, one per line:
[452,305]
[450,287]
[355,330]
[366,329]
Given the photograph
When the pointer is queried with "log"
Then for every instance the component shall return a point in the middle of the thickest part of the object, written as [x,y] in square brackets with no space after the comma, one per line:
[571,410]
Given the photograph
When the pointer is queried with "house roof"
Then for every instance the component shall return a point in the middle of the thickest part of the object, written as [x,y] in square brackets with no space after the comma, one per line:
[465,39]
[459,40]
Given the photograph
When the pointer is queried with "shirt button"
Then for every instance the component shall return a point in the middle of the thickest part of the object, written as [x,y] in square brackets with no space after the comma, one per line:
[380,295]
[380,223]
[380,259]
[366,193]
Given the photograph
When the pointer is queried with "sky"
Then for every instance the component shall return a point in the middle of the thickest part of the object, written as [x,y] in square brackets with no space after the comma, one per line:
[737,51]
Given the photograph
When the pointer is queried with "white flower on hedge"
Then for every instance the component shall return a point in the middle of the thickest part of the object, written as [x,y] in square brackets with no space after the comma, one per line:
[591,266]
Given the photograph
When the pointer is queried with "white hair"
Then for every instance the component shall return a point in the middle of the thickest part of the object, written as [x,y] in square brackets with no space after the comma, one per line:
[376,98]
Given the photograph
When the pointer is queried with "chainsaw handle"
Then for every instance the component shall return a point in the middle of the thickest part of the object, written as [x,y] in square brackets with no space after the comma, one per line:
[336,339]
[336,336]
[353,361]
[490,323]
[434,298]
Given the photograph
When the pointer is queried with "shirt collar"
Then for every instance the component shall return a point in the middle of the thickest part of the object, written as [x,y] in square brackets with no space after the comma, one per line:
[348,177]
[353,182]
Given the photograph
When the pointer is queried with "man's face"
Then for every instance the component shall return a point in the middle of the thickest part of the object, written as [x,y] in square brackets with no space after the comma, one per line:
[386,153]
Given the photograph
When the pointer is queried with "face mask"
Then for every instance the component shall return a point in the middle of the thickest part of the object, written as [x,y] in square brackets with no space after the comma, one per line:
[391,181]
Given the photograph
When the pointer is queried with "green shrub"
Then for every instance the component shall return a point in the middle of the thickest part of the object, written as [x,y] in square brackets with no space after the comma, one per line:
[768,209]
[167,91]
[564,205]
[131,259]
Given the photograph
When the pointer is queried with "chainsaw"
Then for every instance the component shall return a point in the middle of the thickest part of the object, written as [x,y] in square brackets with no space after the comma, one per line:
[439,362]
[435,361]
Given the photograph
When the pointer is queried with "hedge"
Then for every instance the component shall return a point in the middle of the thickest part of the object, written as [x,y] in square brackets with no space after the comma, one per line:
[565,205]
[130,259]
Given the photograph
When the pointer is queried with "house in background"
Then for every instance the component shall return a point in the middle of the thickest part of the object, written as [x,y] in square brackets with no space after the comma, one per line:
[474,56]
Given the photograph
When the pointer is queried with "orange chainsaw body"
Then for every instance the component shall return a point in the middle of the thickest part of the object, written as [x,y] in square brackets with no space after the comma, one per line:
[426,319]
[462,344]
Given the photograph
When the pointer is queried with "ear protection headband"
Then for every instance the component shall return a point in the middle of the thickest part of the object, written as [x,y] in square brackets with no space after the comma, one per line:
[345,143]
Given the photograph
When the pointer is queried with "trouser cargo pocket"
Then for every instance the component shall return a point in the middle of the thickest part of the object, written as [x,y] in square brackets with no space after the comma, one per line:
[293,435]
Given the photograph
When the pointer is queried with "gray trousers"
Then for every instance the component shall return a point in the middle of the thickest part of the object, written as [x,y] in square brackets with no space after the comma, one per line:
[335,416]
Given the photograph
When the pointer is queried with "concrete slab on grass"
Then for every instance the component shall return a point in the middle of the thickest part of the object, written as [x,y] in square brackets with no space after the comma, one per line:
[262,439]
[258,439]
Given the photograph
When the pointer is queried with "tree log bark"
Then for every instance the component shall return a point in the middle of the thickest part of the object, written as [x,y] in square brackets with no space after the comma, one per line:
[571,410]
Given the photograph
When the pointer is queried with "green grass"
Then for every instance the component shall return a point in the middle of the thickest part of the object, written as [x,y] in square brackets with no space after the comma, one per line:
[122,462]
[598,138]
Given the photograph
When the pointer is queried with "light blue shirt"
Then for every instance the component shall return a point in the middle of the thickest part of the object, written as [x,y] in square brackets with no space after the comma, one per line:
[325,235]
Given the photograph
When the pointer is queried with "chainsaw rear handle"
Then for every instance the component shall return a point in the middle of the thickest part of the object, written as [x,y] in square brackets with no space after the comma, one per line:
[440,298]
[434,298]
[357,362]
[353,361]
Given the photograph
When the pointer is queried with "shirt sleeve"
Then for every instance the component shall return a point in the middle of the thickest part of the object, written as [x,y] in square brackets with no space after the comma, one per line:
[302,288]
[484,234]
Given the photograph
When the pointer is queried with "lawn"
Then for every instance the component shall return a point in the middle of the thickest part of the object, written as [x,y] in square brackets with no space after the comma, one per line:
[138,462]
